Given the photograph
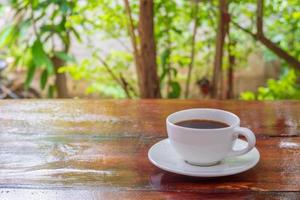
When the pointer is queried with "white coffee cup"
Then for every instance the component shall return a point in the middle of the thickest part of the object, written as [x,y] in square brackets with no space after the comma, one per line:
[207,146]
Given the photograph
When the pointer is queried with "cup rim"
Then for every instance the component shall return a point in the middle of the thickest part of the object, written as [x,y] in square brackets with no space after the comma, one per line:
[207,109]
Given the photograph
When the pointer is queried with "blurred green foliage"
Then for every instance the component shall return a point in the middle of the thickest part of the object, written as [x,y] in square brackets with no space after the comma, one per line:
[95,74]
[39,30]
[287,87]
[35,25]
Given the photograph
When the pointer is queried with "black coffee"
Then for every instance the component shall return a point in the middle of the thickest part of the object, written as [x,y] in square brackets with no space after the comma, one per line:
[202,124]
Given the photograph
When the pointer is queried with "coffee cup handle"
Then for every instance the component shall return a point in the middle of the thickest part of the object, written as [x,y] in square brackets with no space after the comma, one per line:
[249,135]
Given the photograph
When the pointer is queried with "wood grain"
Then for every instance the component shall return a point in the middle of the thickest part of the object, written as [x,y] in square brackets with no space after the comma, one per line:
[80,194]
[98,149]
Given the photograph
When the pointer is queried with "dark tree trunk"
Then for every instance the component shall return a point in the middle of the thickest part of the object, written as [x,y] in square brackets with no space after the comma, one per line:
[224,19]
[60,79]
[144,52]
[229,94]
[149,87]
[231,63]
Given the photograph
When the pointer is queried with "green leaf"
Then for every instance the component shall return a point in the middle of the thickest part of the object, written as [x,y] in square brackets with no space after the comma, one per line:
[64,56]
[35,3]
[7,35]
[76,34]
[165,57]
[247,96]
[30,75]
[54,14]
[175,90]
[40,58]
[176,30]
[23,27]
[1,9]
[296,15]
[51,90]
[51,28]
[174,70]
[163,75]
[64,6]
[284,88]
[44,79]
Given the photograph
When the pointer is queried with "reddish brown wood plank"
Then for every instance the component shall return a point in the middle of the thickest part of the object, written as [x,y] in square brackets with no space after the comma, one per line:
[79,194]
[38,194]
[123,163]
[103,144]
[134,118]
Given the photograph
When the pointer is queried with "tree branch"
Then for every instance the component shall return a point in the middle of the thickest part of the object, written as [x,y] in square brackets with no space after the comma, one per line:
[280,52]
[243,29]
[114,36]
[272,47]
[192,56]
[259,18]
[127,85]
[131,28]
[124,45]
[112,74]
[133,38]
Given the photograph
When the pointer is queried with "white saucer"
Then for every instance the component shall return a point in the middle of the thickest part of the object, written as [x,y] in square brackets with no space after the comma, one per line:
[163,156]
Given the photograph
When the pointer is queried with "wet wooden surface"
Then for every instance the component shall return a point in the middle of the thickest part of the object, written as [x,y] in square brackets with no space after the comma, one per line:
[97,149]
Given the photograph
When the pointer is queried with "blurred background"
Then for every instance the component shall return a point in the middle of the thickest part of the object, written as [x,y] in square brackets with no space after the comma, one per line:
[223,49]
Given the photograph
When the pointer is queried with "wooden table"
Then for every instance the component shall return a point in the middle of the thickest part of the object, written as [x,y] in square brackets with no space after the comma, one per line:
[97,149]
